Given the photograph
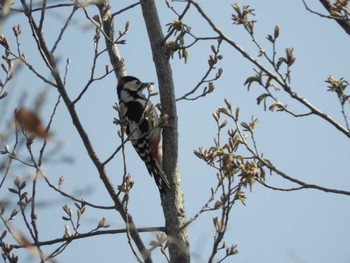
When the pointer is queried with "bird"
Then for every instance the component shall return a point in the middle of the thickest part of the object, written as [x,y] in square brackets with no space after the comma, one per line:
[142,126]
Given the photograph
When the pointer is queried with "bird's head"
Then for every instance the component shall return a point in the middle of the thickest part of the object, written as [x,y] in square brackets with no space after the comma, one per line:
[130,87]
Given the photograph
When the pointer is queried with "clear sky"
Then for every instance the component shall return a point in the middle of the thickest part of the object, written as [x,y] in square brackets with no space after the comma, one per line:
[293,227]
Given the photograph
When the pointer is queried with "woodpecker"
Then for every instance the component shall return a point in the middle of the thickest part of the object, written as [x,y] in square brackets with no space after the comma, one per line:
[142,127]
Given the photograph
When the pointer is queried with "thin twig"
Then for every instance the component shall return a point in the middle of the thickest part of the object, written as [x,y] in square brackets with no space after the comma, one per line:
[84,235]
[72,197]
[342,104]
[342,21]
[41,152]
[278,188]
[59,38]
[40,8]
[36,73]
[202,81]
[179,18]
[204,207]
[34,217]
[125,9]
[14,157]
[10,159]
[301,183]
[43,12]
[58,251]
[95,24]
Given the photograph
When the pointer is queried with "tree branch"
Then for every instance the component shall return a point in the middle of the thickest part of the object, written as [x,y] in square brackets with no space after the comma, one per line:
[284,85]
[51,62]
[301,183]
[69,19]
[271,167]
[345,24]
[113,51]
[84,235]
[125,9]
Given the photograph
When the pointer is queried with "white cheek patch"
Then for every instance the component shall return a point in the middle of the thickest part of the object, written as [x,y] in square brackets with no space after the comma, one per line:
[132,86]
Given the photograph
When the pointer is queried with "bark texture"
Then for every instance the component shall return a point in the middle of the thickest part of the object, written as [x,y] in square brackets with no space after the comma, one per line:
[173,201]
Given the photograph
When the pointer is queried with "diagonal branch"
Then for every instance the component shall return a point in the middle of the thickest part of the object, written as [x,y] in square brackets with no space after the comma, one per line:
[345,24]
[125,9]
[264,162]
[69,19]
[51,63]
[282,83]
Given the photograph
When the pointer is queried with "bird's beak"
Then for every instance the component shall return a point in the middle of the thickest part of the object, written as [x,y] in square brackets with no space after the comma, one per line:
[146,84]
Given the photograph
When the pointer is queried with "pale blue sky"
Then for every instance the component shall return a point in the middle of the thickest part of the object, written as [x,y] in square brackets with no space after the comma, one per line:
[297,227]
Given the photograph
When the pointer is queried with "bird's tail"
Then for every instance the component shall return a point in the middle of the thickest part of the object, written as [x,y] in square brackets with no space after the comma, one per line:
[159,176]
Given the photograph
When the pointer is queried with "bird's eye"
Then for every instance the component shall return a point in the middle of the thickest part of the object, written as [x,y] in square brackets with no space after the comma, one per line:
[138,82]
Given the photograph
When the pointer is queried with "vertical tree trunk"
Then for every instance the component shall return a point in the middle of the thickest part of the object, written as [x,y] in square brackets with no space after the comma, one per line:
[173,201]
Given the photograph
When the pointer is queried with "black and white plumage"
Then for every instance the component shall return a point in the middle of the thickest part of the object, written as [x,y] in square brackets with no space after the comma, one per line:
[142,126]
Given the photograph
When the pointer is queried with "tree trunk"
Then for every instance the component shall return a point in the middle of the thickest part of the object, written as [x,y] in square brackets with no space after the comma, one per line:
[172,201]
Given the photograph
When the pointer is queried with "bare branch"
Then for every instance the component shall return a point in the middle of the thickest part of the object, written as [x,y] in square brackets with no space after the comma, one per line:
[301,183]
[12,153]
[213,59]
[205,206]
[92,72]
[51,62]
[40,8]
[344,23]
[43,12]
[82,201]
[125,9]
[84,235]
[36,73]
[278,188]
[341,20]
[41,155]
[110,39]
[271,167]
[283,84]
[59,38]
